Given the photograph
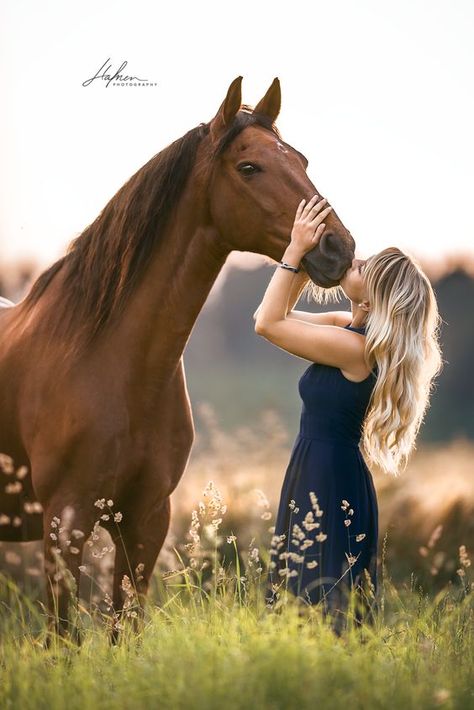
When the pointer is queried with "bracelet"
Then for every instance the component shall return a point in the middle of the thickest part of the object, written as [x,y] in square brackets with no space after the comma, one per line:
[284,265]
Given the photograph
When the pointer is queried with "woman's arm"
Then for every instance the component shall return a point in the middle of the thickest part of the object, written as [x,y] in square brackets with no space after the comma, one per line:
[298,283]
[340,318]
[300,280]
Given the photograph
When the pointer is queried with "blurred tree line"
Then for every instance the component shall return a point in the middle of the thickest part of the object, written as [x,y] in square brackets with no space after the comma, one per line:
[240,374]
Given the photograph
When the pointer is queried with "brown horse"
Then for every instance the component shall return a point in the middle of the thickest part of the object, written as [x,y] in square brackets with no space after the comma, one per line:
[94,397]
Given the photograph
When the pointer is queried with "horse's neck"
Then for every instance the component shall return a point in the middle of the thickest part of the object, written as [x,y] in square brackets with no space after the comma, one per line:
[162,311]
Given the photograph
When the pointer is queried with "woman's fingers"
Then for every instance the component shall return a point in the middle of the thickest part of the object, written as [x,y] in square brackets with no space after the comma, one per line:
[299,209]
[310,206]
[319,232]
[320,215]
[313,207]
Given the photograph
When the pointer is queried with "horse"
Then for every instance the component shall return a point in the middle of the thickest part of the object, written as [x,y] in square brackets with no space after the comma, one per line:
[95,407]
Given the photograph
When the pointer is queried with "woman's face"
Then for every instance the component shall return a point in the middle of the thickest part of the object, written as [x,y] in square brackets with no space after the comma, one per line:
[352,282]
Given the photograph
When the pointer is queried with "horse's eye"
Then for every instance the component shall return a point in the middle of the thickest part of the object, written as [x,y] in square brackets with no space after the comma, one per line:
[248,168]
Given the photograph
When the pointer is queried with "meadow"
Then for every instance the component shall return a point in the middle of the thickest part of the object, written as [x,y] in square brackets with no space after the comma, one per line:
[208,639]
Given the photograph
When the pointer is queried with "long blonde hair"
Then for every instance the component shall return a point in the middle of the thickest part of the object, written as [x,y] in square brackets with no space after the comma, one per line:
[402,339]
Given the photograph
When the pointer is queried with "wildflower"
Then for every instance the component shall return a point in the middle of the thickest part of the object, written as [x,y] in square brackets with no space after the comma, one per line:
[321,537]
[14,487]
[215,497]
[22,472]
[344,505]
[360,537]
[347,522]
[105,516]
[463,558]
[291,504]
[103,552]
[100,503]
[126,585]
[435,535]
[312,564]
[351,559]
[266,515]
[33,507]
[95,530]
[53,536]
[110,502]
[296,558]
[74,550]
[231,538]
[77,533]
[298,532]
[262,499]
[118,517]
[6,464]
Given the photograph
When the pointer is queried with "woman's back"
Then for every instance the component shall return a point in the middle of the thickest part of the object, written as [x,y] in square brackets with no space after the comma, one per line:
[333,406]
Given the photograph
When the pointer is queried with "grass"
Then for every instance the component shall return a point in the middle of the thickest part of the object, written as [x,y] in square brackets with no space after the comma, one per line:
[206,648]
[207,639]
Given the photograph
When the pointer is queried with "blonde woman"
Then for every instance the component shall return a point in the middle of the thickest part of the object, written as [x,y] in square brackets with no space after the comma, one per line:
[369,384]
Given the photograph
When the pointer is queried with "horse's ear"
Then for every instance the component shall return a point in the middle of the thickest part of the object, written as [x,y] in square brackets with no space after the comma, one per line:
[228,108]
[271,103]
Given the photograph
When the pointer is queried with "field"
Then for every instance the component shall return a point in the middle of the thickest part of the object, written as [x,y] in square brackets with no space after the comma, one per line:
[207,638]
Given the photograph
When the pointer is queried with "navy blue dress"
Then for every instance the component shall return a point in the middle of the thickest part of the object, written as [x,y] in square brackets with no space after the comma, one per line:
[326,528]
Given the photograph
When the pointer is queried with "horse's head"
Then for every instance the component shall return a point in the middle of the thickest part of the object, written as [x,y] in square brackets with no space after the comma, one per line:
[257,182]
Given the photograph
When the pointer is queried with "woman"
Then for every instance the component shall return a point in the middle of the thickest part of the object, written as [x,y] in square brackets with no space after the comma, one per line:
[369,383]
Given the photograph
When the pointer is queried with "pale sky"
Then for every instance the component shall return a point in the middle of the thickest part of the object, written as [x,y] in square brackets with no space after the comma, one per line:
[378,95]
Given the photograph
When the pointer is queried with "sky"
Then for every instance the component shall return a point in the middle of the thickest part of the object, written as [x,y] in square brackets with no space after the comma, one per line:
[377,95]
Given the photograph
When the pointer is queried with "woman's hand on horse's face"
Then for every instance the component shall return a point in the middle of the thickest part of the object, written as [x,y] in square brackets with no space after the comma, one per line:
[309,226]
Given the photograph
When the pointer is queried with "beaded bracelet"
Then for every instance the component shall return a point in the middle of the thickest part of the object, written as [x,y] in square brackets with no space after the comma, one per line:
[284,265]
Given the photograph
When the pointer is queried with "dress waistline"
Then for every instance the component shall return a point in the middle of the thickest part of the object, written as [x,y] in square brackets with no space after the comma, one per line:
[330,440]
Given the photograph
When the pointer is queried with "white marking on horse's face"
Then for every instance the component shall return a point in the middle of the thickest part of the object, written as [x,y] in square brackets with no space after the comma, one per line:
[281,147]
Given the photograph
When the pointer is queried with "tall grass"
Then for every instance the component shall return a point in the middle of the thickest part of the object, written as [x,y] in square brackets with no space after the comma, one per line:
[207,637]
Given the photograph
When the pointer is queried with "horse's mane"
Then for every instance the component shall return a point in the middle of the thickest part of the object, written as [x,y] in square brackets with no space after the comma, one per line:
[105,262]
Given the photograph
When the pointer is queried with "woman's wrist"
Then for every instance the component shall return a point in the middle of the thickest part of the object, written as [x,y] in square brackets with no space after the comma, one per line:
[292,256]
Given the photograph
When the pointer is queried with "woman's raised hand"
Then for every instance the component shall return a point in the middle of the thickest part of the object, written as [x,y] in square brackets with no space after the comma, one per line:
[309,226]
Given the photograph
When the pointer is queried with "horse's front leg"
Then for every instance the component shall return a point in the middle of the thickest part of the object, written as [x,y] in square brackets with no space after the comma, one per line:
[67,525]
[137,546]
